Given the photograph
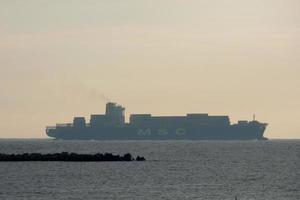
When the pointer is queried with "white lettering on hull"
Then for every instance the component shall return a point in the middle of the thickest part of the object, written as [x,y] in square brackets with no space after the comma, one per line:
[180,131]
[161,132]
[144,132]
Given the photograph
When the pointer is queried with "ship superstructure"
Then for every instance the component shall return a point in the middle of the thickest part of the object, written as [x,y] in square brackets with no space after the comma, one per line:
[112,126]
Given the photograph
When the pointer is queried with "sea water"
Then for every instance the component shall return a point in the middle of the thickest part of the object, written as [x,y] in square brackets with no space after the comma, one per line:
[260,170]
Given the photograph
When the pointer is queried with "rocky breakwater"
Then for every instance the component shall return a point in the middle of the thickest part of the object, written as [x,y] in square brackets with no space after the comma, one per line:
[69,157]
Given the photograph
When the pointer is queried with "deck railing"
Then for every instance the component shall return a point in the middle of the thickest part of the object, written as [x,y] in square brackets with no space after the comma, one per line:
[64,125]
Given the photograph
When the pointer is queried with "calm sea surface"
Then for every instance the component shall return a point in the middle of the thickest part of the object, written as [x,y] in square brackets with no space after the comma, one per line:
[266,170]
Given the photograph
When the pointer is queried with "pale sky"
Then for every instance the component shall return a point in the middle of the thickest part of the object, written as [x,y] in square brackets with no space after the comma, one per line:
[59,58]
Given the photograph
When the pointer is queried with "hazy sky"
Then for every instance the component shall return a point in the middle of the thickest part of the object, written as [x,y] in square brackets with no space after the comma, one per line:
[59,58]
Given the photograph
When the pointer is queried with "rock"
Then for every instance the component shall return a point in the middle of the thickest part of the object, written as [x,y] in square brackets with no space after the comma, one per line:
[138,158]
[68,157]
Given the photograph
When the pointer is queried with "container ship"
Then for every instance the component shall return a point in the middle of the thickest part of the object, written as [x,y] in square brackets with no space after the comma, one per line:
[112,126]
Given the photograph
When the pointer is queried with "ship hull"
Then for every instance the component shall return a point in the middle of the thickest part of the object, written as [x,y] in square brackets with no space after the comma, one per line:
[231,132]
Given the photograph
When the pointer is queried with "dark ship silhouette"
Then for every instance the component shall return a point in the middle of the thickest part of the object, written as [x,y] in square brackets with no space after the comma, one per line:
[112,126]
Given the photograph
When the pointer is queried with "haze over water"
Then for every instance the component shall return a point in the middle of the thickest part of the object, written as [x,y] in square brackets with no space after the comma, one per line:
[60,59]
